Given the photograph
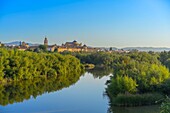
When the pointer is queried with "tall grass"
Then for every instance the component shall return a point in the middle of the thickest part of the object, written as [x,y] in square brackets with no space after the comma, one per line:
[136,99]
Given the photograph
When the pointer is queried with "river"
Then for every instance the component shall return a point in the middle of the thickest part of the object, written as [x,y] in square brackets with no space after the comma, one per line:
[84,96]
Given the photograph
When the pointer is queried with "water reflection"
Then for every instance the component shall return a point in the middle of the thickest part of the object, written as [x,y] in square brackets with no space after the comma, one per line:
[23,90]
[100,72]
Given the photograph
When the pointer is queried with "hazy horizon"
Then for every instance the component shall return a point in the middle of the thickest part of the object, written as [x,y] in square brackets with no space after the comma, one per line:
[98,23]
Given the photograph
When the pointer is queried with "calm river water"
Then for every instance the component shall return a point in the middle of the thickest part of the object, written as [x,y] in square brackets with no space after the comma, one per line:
[85,96]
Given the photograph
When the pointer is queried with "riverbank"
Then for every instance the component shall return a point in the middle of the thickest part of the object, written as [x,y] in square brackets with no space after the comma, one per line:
[133,100]
[141,109]
[22,65]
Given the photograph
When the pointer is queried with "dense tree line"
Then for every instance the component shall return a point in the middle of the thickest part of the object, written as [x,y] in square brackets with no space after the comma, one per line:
[114,58]
[96,58]
[164,57]
[137,74]
[147,75]
[21,65]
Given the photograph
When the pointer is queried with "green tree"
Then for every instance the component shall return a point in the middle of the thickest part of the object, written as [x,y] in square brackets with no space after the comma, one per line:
[42,47]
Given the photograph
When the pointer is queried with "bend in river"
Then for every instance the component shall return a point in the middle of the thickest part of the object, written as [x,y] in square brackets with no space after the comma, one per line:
[79,95]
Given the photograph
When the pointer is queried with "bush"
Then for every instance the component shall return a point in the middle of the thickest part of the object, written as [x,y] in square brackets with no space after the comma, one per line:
[165,106]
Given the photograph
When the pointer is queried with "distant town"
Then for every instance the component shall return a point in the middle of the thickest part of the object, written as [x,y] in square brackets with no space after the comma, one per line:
[73,46]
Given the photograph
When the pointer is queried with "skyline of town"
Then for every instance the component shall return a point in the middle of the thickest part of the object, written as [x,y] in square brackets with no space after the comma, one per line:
[73,46]
[53,43]
[76,46]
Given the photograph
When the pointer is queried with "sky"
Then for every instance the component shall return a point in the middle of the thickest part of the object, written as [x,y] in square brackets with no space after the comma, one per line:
[99,23]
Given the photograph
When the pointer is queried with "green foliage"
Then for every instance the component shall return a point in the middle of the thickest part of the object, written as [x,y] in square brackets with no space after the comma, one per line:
[165,58]
[43,48]
[165,106]
[113,59]
[20,65]
[147,73]
[136,99]
[137,73]
[136,109]
[165,87]
[122,84]
[96,58]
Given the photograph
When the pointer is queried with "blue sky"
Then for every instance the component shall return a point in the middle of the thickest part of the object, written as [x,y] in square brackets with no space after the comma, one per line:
[116,23]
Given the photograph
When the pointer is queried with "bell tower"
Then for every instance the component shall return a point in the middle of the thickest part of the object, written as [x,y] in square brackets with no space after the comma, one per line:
[46,41]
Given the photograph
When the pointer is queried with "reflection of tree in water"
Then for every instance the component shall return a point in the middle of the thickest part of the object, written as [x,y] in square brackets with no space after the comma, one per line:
[24,90]
[142,109]
[100,72]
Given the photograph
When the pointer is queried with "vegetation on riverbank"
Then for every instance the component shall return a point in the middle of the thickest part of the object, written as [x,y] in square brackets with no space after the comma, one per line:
[136,75]
[165,106]
[131,100]
[140,78]
[136,109]
[21,65]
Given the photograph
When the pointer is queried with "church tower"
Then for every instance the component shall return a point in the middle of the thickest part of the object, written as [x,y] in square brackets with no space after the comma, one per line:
[46,41]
